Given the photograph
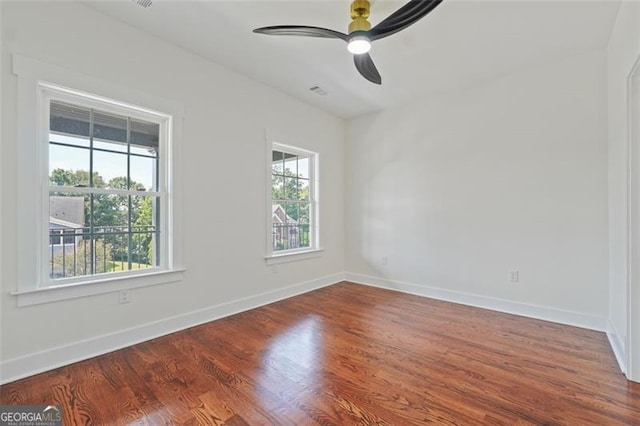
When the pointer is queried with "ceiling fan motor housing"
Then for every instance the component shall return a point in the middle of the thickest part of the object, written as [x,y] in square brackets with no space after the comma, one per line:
[359,14]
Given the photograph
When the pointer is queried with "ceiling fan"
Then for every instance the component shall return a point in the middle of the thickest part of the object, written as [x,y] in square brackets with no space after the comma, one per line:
[360,32]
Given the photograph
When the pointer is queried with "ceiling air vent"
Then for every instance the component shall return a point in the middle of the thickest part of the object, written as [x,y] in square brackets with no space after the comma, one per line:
[318,90]
[143,3]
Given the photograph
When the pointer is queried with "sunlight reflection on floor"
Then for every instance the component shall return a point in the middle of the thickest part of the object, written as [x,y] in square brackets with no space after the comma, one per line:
[293,360]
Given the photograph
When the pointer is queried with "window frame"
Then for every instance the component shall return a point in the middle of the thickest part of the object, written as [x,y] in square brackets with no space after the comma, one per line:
[314,249]
[30,192]
[46,94]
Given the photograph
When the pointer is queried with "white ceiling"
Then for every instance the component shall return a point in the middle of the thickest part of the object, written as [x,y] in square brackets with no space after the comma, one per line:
[461,43]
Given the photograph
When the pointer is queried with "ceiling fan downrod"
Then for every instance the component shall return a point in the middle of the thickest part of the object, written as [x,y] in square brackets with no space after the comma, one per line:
[360,11]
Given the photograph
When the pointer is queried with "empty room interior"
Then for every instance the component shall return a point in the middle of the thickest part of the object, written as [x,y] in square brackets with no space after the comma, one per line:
[320,212]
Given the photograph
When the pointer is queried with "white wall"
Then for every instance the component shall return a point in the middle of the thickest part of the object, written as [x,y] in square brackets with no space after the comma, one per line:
[623,51]
[223,183]
[458,190]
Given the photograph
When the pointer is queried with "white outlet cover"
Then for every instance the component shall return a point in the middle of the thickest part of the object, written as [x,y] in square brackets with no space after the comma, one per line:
[124,296]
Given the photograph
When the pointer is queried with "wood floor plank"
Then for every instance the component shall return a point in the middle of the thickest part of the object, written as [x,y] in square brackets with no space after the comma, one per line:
[346,355]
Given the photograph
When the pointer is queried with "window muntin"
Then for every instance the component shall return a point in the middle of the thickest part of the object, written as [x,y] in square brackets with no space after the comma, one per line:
[293,200]
[106,189]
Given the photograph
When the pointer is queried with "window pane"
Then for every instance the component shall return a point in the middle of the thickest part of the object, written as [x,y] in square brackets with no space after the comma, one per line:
[304,236]
[305,209]
[110,211]
[144,151]
[143,229]
[69,140]
[71,211]
[111,227]
[303,190]
[69,247]
[155,253]
[303,167]
[277,159]
[290,188]
[68,166]
[112,169]
[117,240]
[291,231]
[142,213]
[285,228]
[109,131]
[99,144]
[143,173]
[292,212]
[278,220]
[277,188]
[304,227]
[290,165]
[145,137]
[142,250]
[69,119]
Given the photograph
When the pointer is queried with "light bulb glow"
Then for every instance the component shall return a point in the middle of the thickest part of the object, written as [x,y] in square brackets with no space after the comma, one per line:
[359,45]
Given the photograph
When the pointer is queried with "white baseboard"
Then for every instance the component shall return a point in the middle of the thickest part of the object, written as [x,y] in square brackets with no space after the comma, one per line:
[592,322]
[29,365]
[617,345]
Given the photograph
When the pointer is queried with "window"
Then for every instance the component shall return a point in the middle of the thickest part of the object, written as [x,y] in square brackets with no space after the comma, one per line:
[293,188]
[105,190]
[97,164]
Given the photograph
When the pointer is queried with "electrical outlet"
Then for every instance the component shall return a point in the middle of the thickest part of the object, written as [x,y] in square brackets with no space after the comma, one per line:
[514,276]
[384,260]
[124,296]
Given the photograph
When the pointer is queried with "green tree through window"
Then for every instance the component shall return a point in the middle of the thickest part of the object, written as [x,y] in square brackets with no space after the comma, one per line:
[111,217]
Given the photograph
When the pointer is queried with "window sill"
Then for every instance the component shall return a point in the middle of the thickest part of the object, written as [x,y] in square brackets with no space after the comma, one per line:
[90,288]
[293,256]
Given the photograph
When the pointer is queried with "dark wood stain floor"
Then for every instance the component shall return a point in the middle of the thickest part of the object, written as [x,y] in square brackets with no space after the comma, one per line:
[344,355]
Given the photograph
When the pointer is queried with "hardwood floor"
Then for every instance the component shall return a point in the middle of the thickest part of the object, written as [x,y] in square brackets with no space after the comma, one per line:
[349,354]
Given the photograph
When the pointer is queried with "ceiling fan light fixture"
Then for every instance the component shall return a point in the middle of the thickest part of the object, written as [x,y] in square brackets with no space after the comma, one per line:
[359,45]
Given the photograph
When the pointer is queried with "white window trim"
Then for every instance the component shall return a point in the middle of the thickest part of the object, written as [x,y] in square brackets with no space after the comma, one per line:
[275,257]
[294,256]
[107,284]
[48,93]
[32,75]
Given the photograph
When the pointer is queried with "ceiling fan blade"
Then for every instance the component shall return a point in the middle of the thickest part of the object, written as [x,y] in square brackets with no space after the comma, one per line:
[367,68]
[300,30]
[407,15]
[404,12]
